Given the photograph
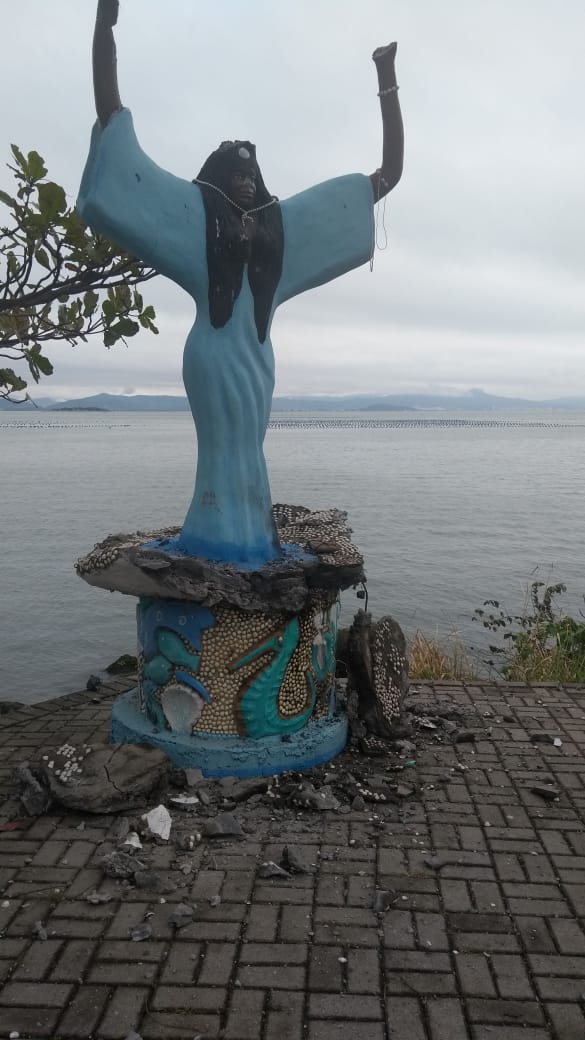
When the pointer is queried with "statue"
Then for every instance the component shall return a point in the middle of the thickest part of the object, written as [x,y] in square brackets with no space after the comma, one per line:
[237,612]
[239,253]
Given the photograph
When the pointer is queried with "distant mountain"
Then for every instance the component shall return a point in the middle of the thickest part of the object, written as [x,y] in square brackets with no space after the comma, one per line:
[474,400]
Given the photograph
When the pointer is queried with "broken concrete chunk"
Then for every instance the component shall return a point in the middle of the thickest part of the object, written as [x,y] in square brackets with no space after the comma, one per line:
[464,736]
[120,864]
[153,882]
[95,898]
[181,915]
[104,778]
[548,794]
[271,869]
[223,826]
[306,797]
[33,790]
[158,821]
[383,900]
[140,932]
[132,841]
[292,862]
[184,801]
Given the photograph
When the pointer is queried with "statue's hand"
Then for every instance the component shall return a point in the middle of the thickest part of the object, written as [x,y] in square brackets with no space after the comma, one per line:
[107,12]
[385,54]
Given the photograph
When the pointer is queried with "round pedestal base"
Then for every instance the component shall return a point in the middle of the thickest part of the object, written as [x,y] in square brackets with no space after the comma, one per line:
[218,756]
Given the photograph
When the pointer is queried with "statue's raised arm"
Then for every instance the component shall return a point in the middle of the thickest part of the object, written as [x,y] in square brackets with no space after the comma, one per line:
[105,76]
[390,172]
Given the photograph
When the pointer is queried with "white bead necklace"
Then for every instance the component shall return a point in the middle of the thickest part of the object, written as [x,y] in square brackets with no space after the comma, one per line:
[246,214]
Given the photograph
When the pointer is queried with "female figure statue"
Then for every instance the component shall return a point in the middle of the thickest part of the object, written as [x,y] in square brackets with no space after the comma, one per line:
[239,253]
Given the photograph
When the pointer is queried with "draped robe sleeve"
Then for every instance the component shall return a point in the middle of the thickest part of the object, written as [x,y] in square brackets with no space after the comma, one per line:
[328,231]
[145,210]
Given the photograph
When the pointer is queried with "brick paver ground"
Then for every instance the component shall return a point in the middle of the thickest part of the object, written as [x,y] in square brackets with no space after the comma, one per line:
[484,939]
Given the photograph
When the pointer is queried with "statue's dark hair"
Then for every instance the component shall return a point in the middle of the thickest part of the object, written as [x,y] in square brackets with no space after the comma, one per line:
[228,250]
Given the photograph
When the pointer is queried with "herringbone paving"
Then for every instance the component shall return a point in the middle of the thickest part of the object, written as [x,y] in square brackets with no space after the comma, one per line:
[484,938]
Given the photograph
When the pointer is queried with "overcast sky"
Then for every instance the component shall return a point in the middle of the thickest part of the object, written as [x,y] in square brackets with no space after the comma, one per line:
[482,283]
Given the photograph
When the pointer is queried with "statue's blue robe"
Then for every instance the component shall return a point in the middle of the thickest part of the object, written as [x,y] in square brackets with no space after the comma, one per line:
[228,373]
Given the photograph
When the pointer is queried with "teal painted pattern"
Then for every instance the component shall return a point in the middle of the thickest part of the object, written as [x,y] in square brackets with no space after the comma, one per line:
[259,703]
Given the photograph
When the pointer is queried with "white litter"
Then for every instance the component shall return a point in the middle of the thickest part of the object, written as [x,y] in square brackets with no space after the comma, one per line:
[159,822]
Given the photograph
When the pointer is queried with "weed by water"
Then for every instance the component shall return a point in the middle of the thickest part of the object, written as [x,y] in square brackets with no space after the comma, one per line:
[540,645]
[439,658]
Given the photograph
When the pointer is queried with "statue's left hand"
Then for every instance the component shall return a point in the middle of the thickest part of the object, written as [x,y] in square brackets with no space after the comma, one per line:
[108,11]
[385,54]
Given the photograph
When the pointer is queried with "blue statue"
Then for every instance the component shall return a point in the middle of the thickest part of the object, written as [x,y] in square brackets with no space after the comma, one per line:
[239,253]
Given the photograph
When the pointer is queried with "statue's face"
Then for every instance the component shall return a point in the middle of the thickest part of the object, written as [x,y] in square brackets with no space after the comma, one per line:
[243,187]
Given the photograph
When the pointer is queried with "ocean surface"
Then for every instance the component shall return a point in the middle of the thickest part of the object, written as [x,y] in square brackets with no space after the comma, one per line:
[449,511]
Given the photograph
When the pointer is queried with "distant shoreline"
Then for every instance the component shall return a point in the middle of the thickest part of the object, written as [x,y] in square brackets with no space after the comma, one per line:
[474,401]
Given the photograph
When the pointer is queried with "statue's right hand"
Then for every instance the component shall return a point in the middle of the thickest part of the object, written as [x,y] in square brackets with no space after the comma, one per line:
[107,12]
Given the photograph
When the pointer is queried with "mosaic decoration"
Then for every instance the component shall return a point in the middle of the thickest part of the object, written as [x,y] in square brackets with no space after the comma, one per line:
[232,672]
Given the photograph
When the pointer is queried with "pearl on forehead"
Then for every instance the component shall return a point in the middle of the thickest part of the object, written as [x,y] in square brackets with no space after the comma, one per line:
[243,153]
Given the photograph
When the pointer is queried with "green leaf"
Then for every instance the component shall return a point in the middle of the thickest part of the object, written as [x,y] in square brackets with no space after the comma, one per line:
[36,166]
[125,327]
[90,302]
[42,258]
[20,159]
[7,199]
[9,379]
[52,201]
[44,365]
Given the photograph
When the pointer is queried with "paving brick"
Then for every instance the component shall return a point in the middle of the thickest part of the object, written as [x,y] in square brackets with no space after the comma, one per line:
[535,935]
[123,1012]
[295,924]
[455,895]
[431,931]
[111,974]
[37,1022]
[36,964]
[199,998]
[325,969]
[23,922]
[35,995]
[568,1021]
[331,891]
[446,1020]
[347,936]
[266,976]
[569,935]
[366,1029]
[262,924]
[216,967]
[480,922]
[50,853]
[479,941]
[78,854]
[284,1020]
[474,975]
[508,1033]
[273,953]
[404,1019]
[363,971]
[182,1025]
[525,1012]
[244,1021]
[511,977]
[343,1006]
[84,1012]
[559,988]
[399,930]
[73,961]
